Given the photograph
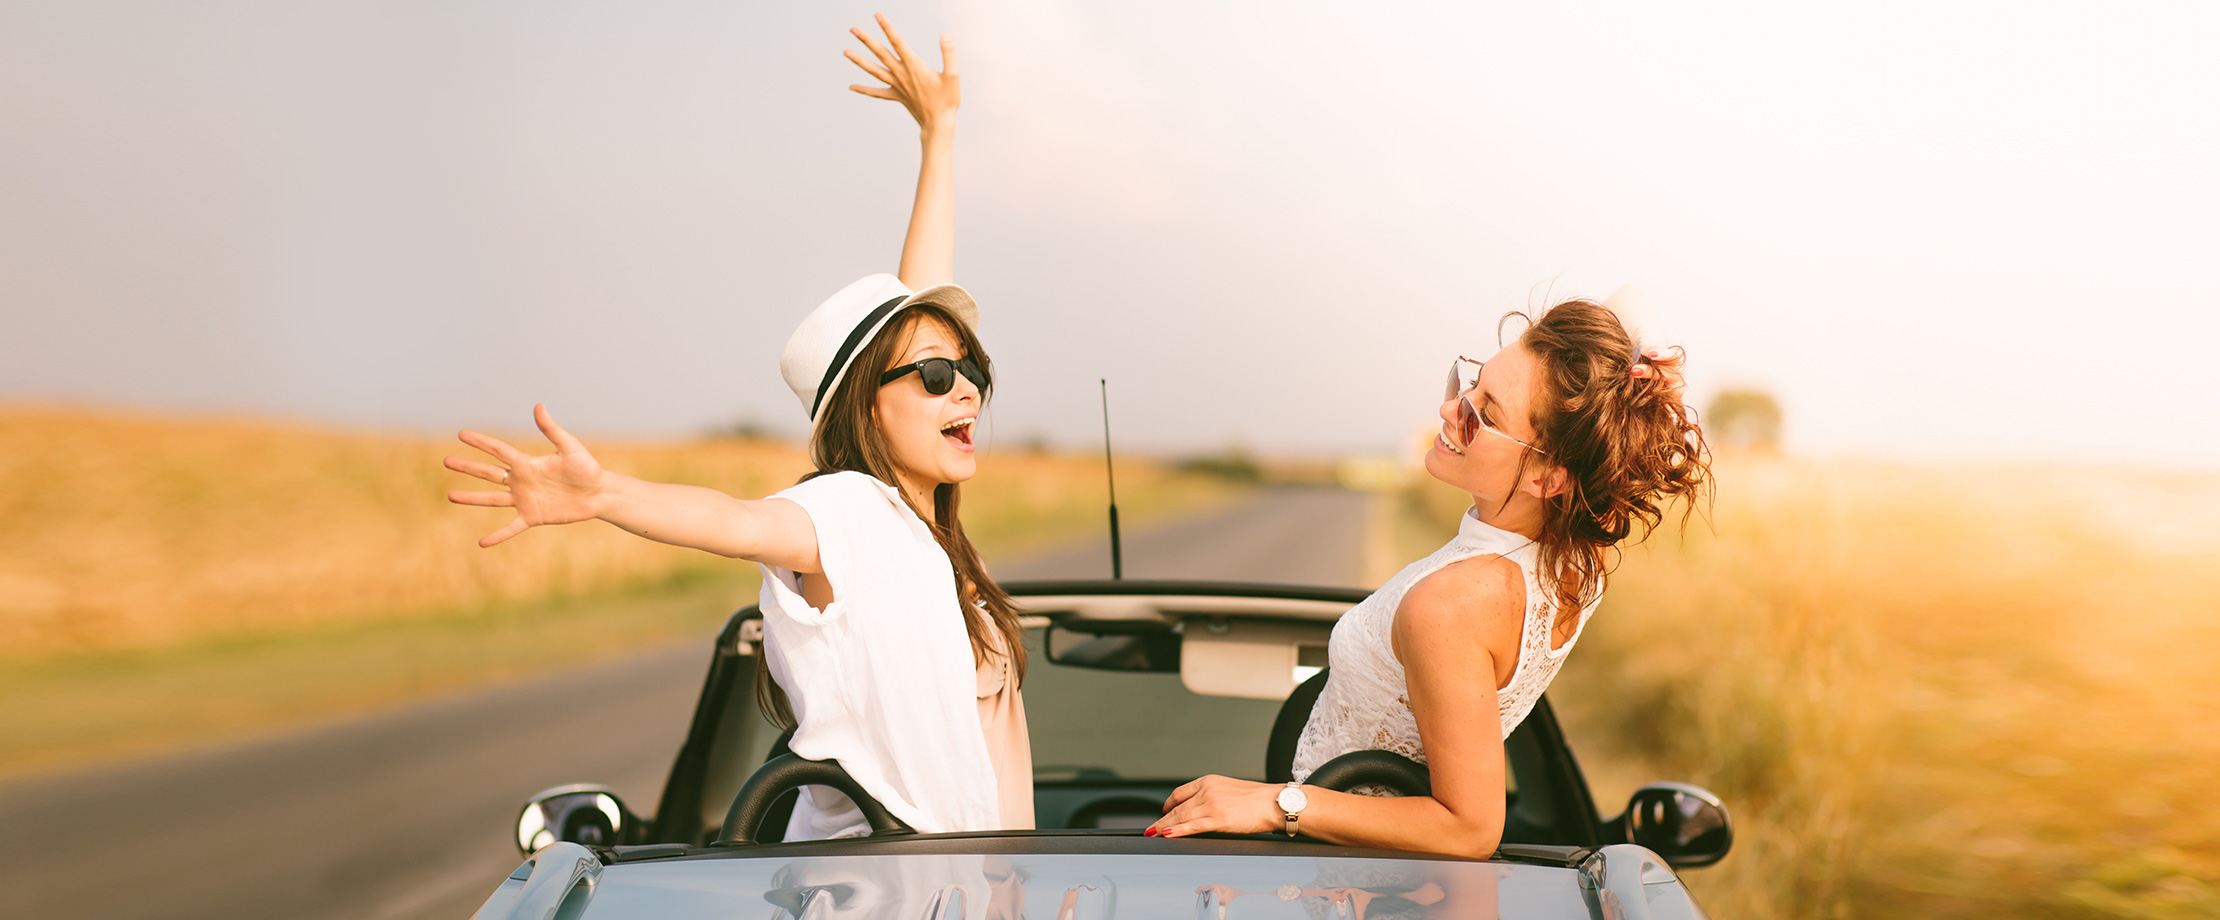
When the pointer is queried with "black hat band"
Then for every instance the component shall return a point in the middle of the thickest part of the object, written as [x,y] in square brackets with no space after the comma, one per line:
[848,348]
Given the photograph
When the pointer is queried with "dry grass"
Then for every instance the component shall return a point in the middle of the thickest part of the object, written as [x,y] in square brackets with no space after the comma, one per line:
[126,532]
[134,532]
[166,582]
[1924,691]
[68,708]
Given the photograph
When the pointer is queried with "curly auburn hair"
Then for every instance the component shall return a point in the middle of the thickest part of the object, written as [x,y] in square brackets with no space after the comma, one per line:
[1628,444]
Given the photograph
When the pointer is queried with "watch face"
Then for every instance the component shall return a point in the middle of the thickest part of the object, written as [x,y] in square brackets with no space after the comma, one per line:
[1292,799]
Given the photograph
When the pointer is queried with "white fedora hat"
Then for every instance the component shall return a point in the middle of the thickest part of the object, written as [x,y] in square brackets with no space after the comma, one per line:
[817,356]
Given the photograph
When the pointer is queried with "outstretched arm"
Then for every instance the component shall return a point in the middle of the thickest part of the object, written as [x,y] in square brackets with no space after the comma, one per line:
[569,485]
[929,249]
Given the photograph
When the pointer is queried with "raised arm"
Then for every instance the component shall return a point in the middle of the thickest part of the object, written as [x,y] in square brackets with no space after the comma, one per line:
[929,249]
[569,485]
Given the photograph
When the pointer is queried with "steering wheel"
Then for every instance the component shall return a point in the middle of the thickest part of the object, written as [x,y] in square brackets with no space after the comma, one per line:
[1373,768]
[789,771]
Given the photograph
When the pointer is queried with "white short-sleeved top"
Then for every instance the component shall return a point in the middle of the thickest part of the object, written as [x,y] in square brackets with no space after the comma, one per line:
[881,680]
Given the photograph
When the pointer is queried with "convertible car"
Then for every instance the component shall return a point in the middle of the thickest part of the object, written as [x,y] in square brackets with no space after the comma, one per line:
[1135,687]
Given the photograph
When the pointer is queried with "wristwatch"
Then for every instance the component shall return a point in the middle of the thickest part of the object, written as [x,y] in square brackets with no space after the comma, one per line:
[1291,801]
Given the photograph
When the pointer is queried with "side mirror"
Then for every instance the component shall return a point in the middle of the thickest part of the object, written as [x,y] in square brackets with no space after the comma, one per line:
[1685,824]
[581,813]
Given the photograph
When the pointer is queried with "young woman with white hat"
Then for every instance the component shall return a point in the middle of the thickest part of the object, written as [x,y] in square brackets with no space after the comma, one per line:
[1571,440]
[894,651]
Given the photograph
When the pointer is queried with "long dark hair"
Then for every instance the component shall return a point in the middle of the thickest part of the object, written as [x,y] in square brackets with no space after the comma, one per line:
[849,439]
[1628,444]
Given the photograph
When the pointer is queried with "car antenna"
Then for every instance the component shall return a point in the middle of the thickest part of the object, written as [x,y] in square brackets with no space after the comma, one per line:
[1117,557]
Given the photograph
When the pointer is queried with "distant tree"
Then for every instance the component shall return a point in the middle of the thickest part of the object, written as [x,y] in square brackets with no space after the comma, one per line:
[1235,465]
[742,429]
[1743,418]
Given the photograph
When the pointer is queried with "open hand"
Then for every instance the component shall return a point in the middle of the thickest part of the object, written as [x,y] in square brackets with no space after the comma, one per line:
[1221,803]
[558,488]
[931,97]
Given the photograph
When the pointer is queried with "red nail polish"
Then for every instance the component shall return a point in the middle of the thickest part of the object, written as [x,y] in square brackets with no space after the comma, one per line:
[1150,832]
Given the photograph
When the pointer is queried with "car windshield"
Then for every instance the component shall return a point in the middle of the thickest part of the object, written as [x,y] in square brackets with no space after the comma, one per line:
[1103,885]
[1090,725]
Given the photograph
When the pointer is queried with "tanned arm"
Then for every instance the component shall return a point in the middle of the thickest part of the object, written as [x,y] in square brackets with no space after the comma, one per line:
[569,485]
[1456,633]
[929,249]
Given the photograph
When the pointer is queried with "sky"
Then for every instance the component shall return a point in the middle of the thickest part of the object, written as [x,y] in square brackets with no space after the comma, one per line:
[1931,230]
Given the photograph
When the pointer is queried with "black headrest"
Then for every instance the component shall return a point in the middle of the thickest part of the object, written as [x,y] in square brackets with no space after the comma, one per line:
[1287,729]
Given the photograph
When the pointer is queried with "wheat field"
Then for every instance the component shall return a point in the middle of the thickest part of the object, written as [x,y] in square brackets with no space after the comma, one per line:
[1923,691]
[165,583]
[122,531]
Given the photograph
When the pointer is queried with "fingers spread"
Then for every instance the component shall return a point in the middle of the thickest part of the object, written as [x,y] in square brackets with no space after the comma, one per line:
[894,39]
[875,92]
[515,527]
[485,471]
[555,433]
[483,499]
[492,445]
[885,57]
[880,73]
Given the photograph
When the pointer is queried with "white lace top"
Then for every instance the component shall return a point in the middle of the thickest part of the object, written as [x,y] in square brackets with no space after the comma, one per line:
[1365,706]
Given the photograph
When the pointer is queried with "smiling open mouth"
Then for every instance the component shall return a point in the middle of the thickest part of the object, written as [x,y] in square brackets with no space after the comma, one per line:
[960,432]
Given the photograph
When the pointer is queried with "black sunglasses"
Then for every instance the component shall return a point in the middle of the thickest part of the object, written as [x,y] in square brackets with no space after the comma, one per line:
[939,374]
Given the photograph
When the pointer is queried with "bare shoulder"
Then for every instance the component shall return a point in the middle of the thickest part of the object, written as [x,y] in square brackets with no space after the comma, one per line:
[1474,599]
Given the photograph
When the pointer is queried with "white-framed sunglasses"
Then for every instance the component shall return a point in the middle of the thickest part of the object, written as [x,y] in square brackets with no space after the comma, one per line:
[1464,376]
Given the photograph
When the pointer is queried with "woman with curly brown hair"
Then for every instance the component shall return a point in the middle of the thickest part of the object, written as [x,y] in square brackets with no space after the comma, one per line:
[1571,440]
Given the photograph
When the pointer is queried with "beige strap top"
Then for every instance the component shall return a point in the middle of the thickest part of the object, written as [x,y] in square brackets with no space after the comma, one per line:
[1009,747]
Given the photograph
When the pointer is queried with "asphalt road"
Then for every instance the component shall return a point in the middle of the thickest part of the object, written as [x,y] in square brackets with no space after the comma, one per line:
[405,813]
